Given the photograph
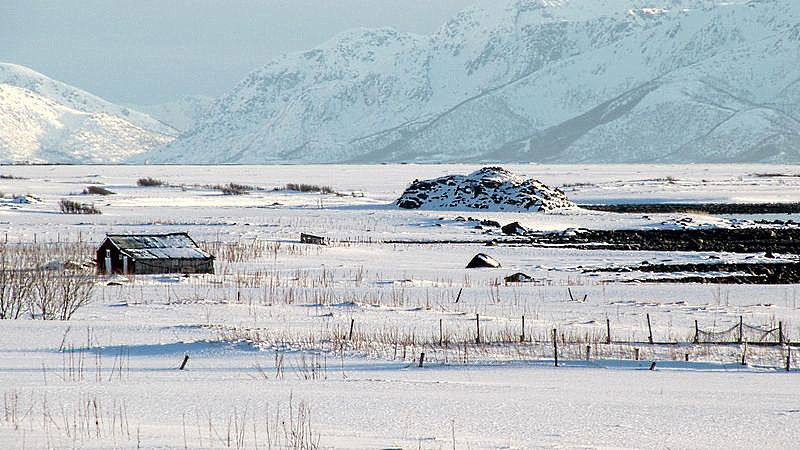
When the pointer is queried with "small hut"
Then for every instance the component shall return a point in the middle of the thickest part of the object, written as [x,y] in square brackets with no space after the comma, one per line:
[152,253]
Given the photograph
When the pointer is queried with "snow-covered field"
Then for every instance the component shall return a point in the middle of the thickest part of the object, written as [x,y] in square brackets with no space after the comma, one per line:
[271,359]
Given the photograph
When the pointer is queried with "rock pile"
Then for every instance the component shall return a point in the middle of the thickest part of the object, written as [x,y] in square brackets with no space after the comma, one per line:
[490,188]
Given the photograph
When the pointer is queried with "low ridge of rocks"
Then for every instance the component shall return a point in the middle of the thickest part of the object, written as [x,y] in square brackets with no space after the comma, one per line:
[490,188]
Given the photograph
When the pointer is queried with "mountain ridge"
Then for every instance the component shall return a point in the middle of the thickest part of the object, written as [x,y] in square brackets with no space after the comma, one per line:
[496,78]
[46,121]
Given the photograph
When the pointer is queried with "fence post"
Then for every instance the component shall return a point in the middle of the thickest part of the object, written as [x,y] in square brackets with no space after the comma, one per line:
[522,336]
[744,355]
[421,358]
[352,323]
[185,360]
[686,357]
[555,347]
[649,330]
[741,329]
[636,353]
[780,332]
[788,358]
[696,332]
[588,352]
[608,330]
[478,328]
[441,333]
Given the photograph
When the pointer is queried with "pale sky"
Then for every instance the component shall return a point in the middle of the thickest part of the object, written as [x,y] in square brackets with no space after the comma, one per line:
[152,51]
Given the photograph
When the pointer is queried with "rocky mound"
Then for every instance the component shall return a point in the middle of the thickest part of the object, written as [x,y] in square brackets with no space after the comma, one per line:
[490,188]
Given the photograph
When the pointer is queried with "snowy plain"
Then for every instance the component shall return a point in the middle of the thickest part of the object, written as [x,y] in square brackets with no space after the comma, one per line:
[260,332]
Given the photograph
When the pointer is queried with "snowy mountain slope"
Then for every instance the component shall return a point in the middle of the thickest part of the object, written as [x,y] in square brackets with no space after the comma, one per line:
[77,99]
[46,121]
[37,129]
[527,80]
[181,114]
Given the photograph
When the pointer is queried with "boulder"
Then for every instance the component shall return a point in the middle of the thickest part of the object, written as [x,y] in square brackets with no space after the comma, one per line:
[518,277]
[482,260]
[514,229]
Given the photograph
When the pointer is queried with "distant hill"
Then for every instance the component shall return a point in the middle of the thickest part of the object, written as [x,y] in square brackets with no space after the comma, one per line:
[44,120]
[181,114]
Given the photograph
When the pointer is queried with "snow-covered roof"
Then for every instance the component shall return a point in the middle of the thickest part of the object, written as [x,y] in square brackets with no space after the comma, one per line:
[158,246]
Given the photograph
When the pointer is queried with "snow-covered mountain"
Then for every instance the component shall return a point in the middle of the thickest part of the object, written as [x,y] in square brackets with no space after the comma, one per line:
[527,80]
[43,120]
[181,114]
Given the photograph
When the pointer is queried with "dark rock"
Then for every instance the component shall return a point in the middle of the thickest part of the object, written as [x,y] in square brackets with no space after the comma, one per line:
[514,229]
[482,260]
[518,277]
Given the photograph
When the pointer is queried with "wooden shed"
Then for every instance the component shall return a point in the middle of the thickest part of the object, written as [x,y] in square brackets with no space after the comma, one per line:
[152,253]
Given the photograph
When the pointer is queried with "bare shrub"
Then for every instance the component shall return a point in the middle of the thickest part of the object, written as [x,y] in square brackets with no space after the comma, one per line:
[15,288]
[243,250]
[235,189]
[300,187]
[58,294]
[775,175]
[149,182]
[75,292]
[96,190]
[73,207]
[28,288]
[43,301]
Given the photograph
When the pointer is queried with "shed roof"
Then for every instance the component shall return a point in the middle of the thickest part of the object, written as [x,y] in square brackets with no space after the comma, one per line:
[158,246]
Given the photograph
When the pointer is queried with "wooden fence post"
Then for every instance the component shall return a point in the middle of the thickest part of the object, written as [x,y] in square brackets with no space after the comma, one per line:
[741,329]
[555,347]
[352,323]
[636,353]
[788,358]
[185,360]
[780,332]
[478,328]
[421,359]
[649,330]
[608,330]
[522,336]
[441,333]
[696,332]
[588,352]
[744,355]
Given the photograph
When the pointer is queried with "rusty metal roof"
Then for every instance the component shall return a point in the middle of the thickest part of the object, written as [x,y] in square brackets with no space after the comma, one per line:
[158,246]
